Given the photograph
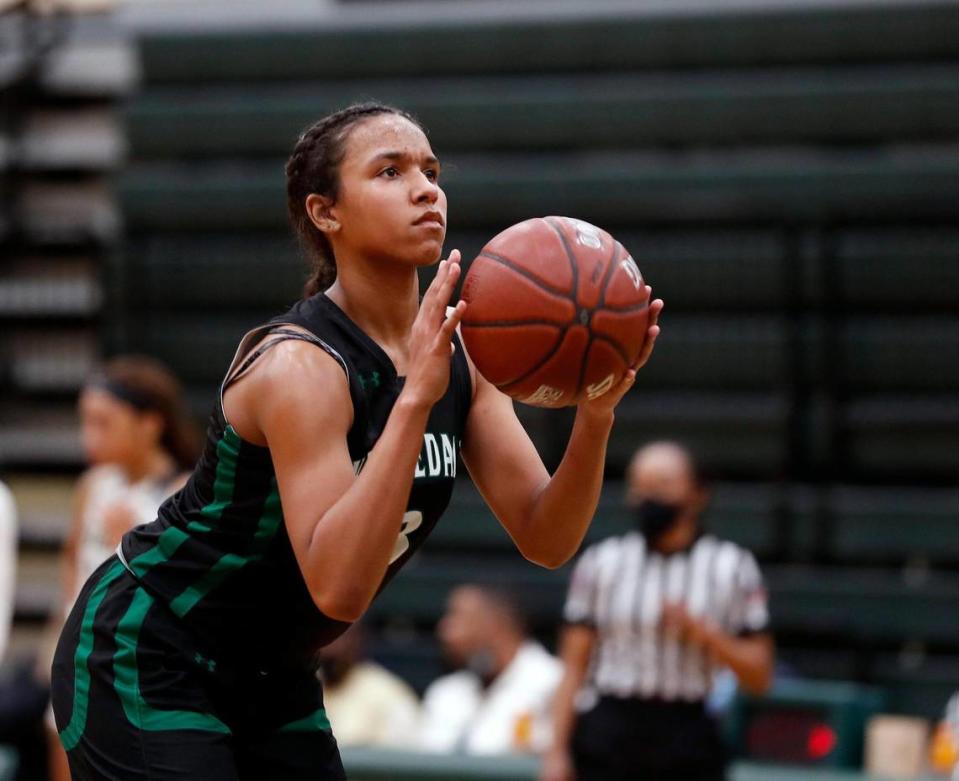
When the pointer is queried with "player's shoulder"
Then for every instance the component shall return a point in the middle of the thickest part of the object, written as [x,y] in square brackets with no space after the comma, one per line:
[290,363]
[277,387]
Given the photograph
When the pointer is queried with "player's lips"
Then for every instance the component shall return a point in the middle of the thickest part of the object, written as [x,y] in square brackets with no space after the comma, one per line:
[430,217]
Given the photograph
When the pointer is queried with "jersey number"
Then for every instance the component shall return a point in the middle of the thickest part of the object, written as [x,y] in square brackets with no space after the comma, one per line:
[411,522]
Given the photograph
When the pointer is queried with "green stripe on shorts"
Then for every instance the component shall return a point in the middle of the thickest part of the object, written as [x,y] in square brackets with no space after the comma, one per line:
[72,733]
[127,680]
[317,721]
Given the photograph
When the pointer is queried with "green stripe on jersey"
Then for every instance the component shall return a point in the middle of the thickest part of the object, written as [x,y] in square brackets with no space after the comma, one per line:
[126,679]
[72,733]
[316,721]
[270,521]
[167,544]
[223,486]
[224,482]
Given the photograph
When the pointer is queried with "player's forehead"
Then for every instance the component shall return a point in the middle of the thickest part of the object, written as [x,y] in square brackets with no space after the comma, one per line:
[386,135]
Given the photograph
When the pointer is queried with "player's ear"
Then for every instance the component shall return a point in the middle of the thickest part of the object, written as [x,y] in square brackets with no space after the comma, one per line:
[319,208]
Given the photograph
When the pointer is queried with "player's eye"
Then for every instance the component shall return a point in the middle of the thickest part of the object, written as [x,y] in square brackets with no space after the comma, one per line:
[432,174]
[390,172]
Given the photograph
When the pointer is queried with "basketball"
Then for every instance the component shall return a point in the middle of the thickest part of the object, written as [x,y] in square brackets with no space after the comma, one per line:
[557,311]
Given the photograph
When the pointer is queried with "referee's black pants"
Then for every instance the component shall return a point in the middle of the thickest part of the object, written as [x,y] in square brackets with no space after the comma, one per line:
[647,740]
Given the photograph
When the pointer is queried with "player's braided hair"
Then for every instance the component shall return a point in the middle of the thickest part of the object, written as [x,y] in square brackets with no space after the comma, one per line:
[314,168]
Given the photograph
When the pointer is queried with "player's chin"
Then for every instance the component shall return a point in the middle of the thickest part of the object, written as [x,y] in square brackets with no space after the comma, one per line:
[427,253]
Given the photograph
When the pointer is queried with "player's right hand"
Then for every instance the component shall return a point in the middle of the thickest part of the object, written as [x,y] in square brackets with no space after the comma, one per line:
[430,345]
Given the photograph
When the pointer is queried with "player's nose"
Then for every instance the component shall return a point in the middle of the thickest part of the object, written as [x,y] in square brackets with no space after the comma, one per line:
[425,190]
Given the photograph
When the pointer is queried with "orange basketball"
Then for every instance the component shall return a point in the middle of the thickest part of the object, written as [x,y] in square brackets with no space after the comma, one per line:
[557,311]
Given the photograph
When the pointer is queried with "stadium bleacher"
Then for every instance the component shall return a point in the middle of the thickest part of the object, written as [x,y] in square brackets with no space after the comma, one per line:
[60,81]
[785,175]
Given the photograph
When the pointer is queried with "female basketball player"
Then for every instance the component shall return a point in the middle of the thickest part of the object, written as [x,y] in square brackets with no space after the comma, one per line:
[331,454]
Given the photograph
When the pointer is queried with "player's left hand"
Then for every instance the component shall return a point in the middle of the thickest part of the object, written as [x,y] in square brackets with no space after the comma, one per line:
[607,402]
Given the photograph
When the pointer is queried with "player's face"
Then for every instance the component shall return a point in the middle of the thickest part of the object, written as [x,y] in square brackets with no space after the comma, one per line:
[390,204]
[112,431]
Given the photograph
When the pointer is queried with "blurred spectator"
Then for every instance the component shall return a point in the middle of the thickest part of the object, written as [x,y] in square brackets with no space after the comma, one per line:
[140,445]
[652,616]
[952,724]
[944,750]
[500,702]
[22,696]
[8,564]
[366,703]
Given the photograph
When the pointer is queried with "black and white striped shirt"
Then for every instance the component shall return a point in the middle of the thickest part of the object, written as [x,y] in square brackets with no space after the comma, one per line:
[619,587]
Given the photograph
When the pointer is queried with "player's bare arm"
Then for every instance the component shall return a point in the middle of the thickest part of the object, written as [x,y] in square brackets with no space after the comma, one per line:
[547,517]
[343,527]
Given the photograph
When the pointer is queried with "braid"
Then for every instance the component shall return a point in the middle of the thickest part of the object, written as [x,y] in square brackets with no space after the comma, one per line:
[313,167]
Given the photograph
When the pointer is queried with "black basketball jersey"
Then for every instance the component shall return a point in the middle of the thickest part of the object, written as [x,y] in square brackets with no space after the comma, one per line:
[219,556]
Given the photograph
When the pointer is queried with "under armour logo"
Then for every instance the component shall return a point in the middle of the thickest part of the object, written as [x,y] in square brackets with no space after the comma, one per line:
[210,664]
[369,381]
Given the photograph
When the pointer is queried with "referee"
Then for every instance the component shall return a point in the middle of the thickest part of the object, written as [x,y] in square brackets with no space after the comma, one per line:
[651,616]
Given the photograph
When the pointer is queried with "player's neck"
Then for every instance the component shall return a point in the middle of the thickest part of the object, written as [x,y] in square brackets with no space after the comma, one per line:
[383,302]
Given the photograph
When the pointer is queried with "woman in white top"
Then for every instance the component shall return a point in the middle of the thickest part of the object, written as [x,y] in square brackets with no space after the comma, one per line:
[140,447]
[8,564]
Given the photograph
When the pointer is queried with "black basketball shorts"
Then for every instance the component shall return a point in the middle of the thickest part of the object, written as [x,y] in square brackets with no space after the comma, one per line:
[135,699]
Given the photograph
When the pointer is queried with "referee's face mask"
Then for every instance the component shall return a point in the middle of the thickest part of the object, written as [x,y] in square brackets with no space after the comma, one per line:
[654,518]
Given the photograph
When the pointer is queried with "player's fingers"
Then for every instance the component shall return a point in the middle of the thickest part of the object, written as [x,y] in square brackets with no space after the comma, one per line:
[430,295]
[655,310]
[442,286]
[614,395]
[651,335]
[626,383]
[453,270]
[441,302]
[652,332]
[451,323]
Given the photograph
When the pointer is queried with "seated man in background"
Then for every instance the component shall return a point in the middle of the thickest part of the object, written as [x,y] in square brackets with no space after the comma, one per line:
[500,702]
[366,703]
